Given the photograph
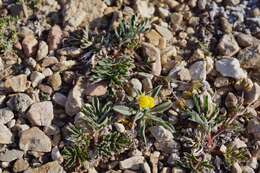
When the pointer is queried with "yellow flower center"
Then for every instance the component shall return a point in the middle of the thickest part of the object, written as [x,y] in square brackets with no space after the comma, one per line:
[146,102]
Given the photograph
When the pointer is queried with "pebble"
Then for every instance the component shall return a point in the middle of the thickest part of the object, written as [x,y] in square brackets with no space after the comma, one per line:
[17,83]
[42,50]
[236,168]
[135,87]
[11,155]
[198,70]
[153,54]
[144,9]
[20,165]
[49,61]
[253,127]
[231,101]
[59,99]
[119,127]
[54,37]
[50,167]
[250,57]
[164,32]
[41,114]
[6,136]
[75,99]
[55,81]
[96,89]
[230,67]
[228,46]
[34,139]
[147,84]
[184,74]
[252,95]
[153,37]
[56,155]
[36,78]
[29,45]
[47,72]
[6,115]
[133,163]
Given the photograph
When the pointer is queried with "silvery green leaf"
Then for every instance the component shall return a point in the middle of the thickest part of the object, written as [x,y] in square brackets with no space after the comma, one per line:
[123,110]
[162,107]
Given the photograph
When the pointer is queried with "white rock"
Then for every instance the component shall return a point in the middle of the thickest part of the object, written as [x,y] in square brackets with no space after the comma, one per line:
[119,127]
[144,9]
[35,140]
[36,78]
[230,67]
[198,71]
[239,143]
[6,115]
[41,114]
[42,50]
[6,135]
[133,163]
[19,102]
[11,155]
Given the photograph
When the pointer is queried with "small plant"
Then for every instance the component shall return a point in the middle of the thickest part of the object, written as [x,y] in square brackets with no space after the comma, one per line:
[146,112]
[76,152]
[113,70]
[96,116]
[233,155]
[113,143]
[195,164]
[127,33]
[206,115]
[8,35]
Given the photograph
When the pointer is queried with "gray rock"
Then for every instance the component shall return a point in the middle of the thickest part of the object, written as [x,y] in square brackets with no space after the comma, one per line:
[250,57]
[252,95]
[19,102]
[202,4]
[96,89]
[173,159]
[133,163]
[153,54]
[42,50]
[6,136]
[35,140]
[198,70]
[56,155]
[228,46]
[246,40]
[54,37]
[253,127]
[230,67]
[41,114]
[134,87]
[51,167]
[6,115]
[11,155]
[160,133]
[75,99]
[165,32]
[76,12]
[59,99]
[20,165]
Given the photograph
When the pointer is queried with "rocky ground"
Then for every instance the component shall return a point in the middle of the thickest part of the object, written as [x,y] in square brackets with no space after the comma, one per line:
[127,86]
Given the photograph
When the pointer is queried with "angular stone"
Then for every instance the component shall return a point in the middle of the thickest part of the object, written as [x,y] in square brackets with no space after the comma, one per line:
[198,71]
[55,81]
[133,163]
[6,115]
[59,99]
[36,78]
[54,37]
[228,45]
[17,83]
[41,114]
[11,155]
[20,165]
[249,58]
[6,135]
[19,102]
[42,50]
[230,67]
[153,54]
[51,167]
[165,32]
[96,89]
[35,140]
[29,45]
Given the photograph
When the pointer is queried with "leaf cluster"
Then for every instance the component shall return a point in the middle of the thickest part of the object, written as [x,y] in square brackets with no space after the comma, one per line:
[233,155]
[113,143]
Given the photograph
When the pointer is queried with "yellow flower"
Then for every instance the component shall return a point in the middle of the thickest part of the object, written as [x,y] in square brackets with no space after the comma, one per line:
[146,102]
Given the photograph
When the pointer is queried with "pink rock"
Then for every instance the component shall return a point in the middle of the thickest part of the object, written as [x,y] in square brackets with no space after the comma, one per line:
[54,37]
[97,89]
[29,45]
